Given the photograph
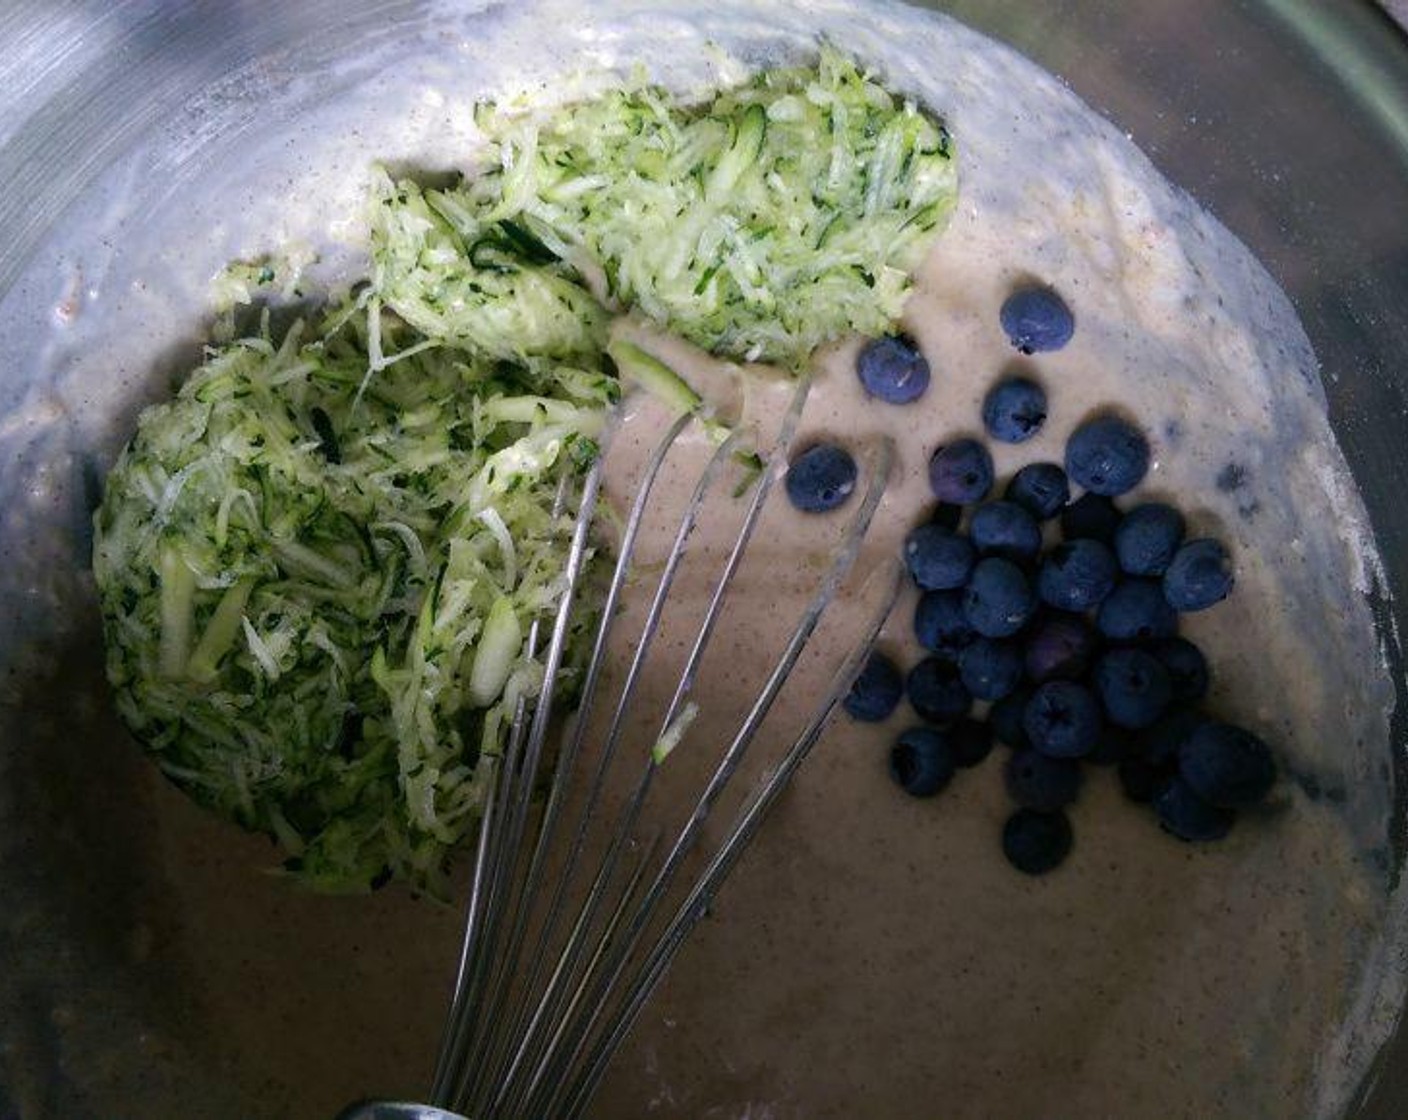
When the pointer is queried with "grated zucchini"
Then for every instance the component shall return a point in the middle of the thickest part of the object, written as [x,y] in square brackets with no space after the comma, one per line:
[760,225]
[303,639]
[318,562]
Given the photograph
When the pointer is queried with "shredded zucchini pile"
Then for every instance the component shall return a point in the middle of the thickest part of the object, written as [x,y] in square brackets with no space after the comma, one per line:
[772,219]
[315,602]
[318,562]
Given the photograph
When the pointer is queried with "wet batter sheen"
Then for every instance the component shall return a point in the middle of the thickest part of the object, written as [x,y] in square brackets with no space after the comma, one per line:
[873,955]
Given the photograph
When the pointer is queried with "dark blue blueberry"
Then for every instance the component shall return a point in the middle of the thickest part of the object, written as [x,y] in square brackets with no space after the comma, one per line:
[1112,747]
[1133,687]
[961,472]
[1037,319]
[876,691]
[1136,611]
[946,515]
[972,741]
[1153,760]
[1062,720]
[1227,766]
[1077,575]
[1035,843]
[998,600]
[1035,781]
[1200,575]
[1107,455]
[893,369]
[1091,517]
[1014,410]
[1005,529]
[1187,816]
[1059,647]
[1186,665]
[936,692]
[939,559]
[1161,742]
[1041,489]
[1143,780]
[1005,718]
[922,761]
[940,624]
[821,478]
[991,668]
[1148,537]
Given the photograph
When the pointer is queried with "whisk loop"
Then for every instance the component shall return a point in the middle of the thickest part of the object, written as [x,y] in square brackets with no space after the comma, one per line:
[549,984]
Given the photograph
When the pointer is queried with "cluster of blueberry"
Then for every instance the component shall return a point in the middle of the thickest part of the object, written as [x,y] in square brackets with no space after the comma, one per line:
[1075,646]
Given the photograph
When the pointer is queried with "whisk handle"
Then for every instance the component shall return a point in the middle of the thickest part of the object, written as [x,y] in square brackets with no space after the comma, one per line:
[396,1110]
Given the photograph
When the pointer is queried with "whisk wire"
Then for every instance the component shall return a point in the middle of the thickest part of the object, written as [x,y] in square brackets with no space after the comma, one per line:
[567,760]
[749,819]
[496,848]
[549,1007]
[550,999]
[539,1010]
[453,1045]
[605,984]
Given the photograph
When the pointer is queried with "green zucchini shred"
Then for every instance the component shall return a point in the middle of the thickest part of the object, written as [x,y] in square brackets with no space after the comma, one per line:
[297,640]
[316,564]
[777,217]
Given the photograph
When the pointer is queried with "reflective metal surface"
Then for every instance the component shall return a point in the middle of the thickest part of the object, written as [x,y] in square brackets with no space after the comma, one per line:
[1289,118]
[396,1110]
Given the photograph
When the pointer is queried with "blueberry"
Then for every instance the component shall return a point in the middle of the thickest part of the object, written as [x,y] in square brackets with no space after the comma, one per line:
[990,668]
[998,600]
[1062,720]
[1041,489]
[1187,667]
[1035,843]
[1035,781]
[1186,815]
[893,369]
[1133,687]
[821,478]
[1014,410]
[1005,529]
[936,692]
[940,624]
[938,558]
[1005,718]
[1107,455]
[1153,760]
[876,691]
[1136,610]
[1091,517]
[1143,780]
[1148,537]
[1077,575]
[961,472]
[922,761]
[1226,766]
[1059,647]
[1161,742]
[1112,747]
[972,741]
[1037,319]
[1199,576]
[946,515]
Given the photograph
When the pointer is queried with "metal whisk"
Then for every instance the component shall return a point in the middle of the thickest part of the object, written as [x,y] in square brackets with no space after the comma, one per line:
[549,984]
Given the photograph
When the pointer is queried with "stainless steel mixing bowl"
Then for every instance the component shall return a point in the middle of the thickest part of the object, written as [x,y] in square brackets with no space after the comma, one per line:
[1289,118]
